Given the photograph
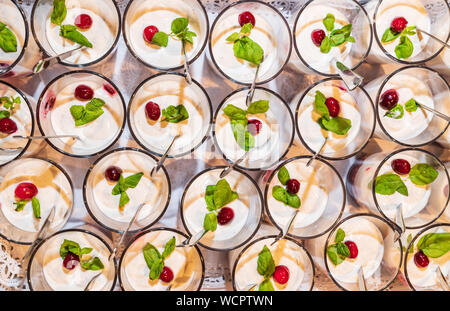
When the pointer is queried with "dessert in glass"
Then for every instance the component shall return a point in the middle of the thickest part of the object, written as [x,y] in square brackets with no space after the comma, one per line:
[16,118]
[60,26]
[228,209]
[69,259]
[155,33]
[328,31]
[398,99]
[151,262]
[118,182]
[397,25]
[85,104]
[29,189]
[329,109]
[283,266]
[250,40]
[166,106]
[264,129]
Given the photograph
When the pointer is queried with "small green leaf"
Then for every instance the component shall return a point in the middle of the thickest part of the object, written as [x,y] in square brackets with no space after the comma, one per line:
[343,250]
[396,113]
[411,105]
[266,264]
[151,255]
[233,37]
[235,113]
[132,181]
[8,41]
[283,175]
[247,49]
[92,264]
[210,222]
[247,28]
[405,48]
[434,245]
[389,35]
[260,106]
[336,125]
[118,188]
[328,21]
[124,199]
[266,286]
[169,248]
[423,174]
[389,183]
[36,207]
[244,139]
[20,205]
[319,105]
[333,254]
[280,194]
[160,38]
[325,46]
[179,24]
[156,269]
[174,114]
[84,115]
[59,12]
[340,235]
[71,33]
[293,200]
[69,246]
[84,251]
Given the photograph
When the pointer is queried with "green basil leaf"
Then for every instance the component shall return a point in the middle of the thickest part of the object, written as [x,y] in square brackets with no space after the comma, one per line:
[235,113]
[337,39]
[343,250]
[210,222]
[293,200]
[332,253]
[283,175]
[222,193]
[187,36]
[8,41]
[405,48]
[260,106]
[118,188]
[85,250]
[389,35]
[70,32]
[389,183]
[396,113]
[156,269]
[36,207]
[328,22]
[233,37]
[95,104]
[69,246]
[247,49]
[88,117]
[325,46]
[160,38]
[84,115]
[169,248]
[244,139]
[266,286]
[20,205]
[179,24]
[340,235]
[434,245]
[77,112]
[92,264]
[350,39]
[247,28]
[174,114]
[124,199]
[409,31]
[132,181]
[319,105]
[59,12]
[280,194]
[423,174]
[151,255]
[336,125]
[266,264]
[411,105]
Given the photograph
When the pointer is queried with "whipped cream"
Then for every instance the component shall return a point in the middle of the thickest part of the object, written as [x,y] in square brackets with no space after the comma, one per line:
[9,16]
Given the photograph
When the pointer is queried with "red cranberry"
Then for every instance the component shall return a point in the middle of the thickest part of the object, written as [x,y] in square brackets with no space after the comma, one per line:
[166,275]
[26,191]
[225,215]
[352,248]
[399,24]
[83,21]
[84,92]
[421,260]
[389,99]
[254,126]
[108,88]
[152,111]
[113,173]
[293,186]
[400,166]
[149,32]
[317,36]
[245,18]
[281,274]
[333,106]
[71,260]
[7,126]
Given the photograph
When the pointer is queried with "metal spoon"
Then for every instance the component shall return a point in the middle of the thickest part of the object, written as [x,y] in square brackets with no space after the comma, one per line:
[315,155]
[249,287]
[193,240]
[351,79]
[286,228]
[435,112]
[361,280]
[434,37]
[89,284]
[44,63]
[231,167]
[251,91]
[186,64]
[163,158]
[45,137]
[400,222]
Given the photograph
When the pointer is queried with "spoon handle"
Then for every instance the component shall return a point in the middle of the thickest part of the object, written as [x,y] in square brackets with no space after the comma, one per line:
[88,285]
[251,91]
[315,155]
[434,37]
[49,61]
[163,158]
[193,240]
[437,113]
[228,170]
[351,79]
[361,280]
[45,137]
[186,64]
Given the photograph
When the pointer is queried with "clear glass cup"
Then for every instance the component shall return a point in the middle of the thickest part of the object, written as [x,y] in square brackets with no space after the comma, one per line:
[167,89]
[426,279]
[55,189]
[248,209]
[141,13]
[377,253]
[320,182]
[54,116]
[41,274]
[432,16]
[287,252]
[271,32]
[187,263]
[272,143]
[425,86]
[103,34]
[358,108]
[154,191]
[310,17]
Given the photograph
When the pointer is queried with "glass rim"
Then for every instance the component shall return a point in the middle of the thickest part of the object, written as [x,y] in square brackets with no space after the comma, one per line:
[297,111]
[216,113]
[385,81]
[389,224]
[363,59]
[210,39]
[212,168]
[67,73]
[89,171]
[266,237]
[65,231]
[142,145]
[272,175]
[94,62]
[128,45]
[395,59]
[380,165]
[149,230]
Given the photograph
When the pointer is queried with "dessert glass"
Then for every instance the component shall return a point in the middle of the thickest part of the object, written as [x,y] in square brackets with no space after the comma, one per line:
[45,259]
[309,18]
[103,34]
[54,116]
[271,144]
[358,108]
[377,253]
[271,32]
[55,189]
[247,208]
[186,262]
[154,191]
[141,13]
[170,89]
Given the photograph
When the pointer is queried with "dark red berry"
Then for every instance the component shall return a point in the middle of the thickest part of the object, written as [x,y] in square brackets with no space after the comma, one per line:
[83,21]
[84,92]
[149,32]
[26,191]
[70,261]
[281,274]
[333,106]
[293,186]
[113,173]
[254,126]
[317,36]
[389,99]
[245,18]
[152,111]
[400,166]
[399,24]
[352,248]
[225,215]
[108,88]
[421,260]
[166,275]
[7,126]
